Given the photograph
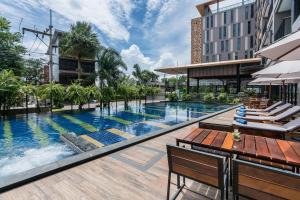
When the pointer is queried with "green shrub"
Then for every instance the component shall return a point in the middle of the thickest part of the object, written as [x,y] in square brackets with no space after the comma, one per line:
[209,97]
[173,96]
[236,101]
[222,98]
[186,97]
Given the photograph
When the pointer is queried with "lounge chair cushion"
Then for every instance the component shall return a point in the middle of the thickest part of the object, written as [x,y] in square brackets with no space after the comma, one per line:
[241,114]
[242,121]
[273,112]
[261,126]
[267,109]
[292,125]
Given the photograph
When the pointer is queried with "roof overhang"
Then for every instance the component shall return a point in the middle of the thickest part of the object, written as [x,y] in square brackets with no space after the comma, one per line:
[183,69]
[201,7]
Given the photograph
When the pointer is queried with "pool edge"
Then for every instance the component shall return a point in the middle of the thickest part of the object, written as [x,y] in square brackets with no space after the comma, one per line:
[67,163]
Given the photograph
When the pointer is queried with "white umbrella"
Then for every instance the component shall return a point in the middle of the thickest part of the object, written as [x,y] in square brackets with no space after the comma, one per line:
[293,55]
[281,48]
[274,81]
[284,69]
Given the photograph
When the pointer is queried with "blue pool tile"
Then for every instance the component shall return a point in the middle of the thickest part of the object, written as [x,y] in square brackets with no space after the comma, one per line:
[106,138]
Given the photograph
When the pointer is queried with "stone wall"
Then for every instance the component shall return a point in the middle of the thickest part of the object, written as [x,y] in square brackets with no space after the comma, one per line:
[196,40]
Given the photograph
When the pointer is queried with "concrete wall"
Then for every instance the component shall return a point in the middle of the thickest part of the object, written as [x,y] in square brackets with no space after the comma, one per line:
[211,34]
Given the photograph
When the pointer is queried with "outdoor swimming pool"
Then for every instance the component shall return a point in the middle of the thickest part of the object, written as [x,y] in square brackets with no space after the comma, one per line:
[30,141]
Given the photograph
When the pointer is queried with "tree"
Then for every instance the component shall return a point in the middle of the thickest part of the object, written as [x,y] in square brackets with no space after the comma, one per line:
[81,42]
[91,93]
[126,90]
[10,48]
[53,92]
[27,91]
[33,71]
[76,95]
[9,89]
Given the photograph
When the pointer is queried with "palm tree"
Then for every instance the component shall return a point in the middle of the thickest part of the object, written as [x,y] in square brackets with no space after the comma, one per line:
[110,69]
[27,90]
[9,89]
[54,92]
[76,95]
[80,42]
[90,93]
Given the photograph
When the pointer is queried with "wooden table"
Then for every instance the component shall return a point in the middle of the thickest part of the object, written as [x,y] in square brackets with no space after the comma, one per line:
[275,150]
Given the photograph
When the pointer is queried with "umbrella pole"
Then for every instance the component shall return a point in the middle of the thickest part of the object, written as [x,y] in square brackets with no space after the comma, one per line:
[283,91]
[270,90]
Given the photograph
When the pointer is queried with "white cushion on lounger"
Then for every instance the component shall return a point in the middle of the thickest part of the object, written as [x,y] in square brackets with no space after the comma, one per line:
[273,112]
[292,125]
[261,126]
[267,109]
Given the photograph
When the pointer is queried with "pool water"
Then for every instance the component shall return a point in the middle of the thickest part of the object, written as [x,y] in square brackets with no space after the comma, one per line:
[30,141]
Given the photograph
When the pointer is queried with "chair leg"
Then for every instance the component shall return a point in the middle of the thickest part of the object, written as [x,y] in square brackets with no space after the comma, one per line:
[169,184]
[178,181]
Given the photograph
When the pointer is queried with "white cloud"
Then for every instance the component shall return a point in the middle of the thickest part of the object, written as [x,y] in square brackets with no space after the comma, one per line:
[112,17]
[133,55]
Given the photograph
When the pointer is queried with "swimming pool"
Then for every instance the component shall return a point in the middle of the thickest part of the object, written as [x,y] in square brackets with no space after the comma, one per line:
[34,140]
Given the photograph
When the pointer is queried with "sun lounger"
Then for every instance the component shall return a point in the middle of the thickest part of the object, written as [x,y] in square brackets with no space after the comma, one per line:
[280,117]
[275,111]
[269,130]
[268,109]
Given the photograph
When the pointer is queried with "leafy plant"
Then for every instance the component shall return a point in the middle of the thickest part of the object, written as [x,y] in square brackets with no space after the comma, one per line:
[222,98]
[209,97]
[53,92]
[76,94]
[186,97]
[173,96]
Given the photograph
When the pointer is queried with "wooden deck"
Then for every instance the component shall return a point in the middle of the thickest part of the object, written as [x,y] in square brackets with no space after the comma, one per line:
[139,172]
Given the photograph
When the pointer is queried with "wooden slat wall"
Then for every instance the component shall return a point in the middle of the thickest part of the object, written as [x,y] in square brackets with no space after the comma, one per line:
[219,71]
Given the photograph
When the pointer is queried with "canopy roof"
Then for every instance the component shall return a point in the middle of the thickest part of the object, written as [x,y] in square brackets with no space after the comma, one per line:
[273,81]
[183,68]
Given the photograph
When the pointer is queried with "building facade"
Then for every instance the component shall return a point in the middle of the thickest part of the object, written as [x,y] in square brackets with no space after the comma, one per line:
[65,69]
[227,33]
[275,19]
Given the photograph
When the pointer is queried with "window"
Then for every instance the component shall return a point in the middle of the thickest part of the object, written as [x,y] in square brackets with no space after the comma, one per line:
[252,10]
[249,27]
[225,16]
[246,12]
[227,45]
[207,58]
[246,54]
[251,54]
[238,44]
[222,46]
[229,56]
[232,15]
[207,48]
[207,36]
[214,58]
[220,33]
[211,47]
[236,55]
[207,22]
[238,29]
[224,31]
[234,30]
[212,21]
[251,41]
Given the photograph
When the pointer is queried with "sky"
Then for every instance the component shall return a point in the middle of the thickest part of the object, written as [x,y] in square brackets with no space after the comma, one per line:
[152,33]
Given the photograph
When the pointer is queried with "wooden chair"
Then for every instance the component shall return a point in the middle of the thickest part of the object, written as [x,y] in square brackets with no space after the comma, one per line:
[199,166]
[257,181]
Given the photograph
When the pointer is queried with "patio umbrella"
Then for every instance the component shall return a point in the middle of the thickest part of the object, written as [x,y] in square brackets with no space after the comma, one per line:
[293,55]
[284,69]
[282,47]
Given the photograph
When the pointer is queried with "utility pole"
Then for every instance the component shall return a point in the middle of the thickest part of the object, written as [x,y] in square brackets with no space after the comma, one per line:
[47,32]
